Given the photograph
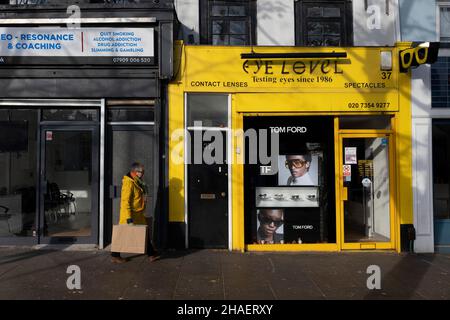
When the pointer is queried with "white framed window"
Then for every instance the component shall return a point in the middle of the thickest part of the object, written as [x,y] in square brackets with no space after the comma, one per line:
[443,21]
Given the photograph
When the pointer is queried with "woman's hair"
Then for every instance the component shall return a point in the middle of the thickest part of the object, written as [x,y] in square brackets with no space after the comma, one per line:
[135,166]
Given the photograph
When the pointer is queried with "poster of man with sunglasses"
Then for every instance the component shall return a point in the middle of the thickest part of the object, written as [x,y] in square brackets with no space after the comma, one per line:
[298,169]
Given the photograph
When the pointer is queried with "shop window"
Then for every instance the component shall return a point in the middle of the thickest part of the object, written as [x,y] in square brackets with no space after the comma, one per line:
[441,169]
[324,23]
[294,201]
[440,83]
[131,114]
[18,158]
[369,122]
[211,110]
[444,23]
[229,22]
[69,115]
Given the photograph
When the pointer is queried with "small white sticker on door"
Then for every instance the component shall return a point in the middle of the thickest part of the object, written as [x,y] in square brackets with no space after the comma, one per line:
[350,156]
[49,135]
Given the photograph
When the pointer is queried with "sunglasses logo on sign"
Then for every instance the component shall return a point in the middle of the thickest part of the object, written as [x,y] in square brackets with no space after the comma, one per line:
[419,53]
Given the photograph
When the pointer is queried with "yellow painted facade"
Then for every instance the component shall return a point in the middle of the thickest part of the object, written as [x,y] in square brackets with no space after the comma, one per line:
[354,85]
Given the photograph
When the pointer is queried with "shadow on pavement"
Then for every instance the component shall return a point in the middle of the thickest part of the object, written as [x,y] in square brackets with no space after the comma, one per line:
[23,256]
[408,272]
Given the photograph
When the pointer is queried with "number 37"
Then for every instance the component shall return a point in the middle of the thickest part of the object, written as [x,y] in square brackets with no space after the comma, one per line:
[386,75]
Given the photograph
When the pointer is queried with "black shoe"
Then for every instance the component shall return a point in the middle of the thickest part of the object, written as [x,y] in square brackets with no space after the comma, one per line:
[118,260]
[154,257]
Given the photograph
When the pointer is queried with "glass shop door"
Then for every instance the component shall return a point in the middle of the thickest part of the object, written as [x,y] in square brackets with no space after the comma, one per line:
[367,191]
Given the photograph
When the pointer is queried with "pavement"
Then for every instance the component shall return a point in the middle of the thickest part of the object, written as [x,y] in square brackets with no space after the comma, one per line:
[27,273]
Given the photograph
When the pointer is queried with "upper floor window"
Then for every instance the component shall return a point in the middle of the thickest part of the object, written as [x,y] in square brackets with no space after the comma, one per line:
[440,83]
[230,22]
[324,23]
[444,22]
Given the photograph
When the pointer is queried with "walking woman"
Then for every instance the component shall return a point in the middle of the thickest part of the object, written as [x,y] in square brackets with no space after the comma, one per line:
[132,207]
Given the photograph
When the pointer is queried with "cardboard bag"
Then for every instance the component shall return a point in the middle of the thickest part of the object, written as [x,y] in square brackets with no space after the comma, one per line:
[129,239]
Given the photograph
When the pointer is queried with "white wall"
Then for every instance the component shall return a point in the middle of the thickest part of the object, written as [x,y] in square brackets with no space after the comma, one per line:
[422,159]
[418,20]
[188,15]
[387,34]
[275,23]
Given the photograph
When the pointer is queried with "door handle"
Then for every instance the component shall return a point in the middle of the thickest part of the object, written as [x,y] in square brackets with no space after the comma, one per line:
[45,182]
[112,192]
[344,194]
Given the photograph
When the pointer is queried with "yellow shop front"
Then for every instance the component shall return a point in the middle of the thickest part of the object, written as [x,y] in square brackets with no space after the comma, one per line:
[289,149]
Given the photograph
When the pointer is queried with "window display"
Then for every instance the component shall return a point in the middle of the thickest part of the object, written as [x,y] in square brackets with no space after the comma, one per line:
[295,202]
[267,197]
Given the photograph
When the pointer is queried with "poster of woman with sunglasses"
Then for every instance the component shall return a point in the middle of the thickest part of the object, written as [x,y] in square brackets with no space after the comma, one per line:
[298,169]
[270,226]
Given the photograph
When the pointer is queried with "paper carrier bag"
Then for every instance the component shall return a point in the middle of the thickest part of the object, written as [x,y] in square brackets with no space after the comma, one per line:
[129,239]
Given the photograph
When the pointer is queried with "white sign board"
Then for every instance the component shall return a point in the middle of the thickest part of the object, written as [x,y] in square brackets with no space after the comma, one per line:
[350,156]
[137,43]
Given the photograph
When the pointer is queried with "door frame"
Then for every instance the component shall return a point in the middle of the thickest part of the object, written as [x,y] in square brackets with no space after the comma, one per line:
[95,186]
[187,146]
[341,195]
[126,126]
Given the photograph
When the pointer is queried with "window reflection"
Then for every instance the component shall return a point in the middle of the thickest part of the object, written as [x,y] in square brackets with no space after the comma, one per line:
[69,115]
[18,158]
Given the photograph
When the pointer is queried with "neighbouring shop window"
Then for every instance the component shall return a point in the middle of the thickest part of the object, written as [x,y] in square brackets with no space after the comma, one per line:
[441,169]
[69,115]
[323,23]
[444,19]
[440,83]
[209,110]
[131,114]
[290,200]
[230,22]
[18,162]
